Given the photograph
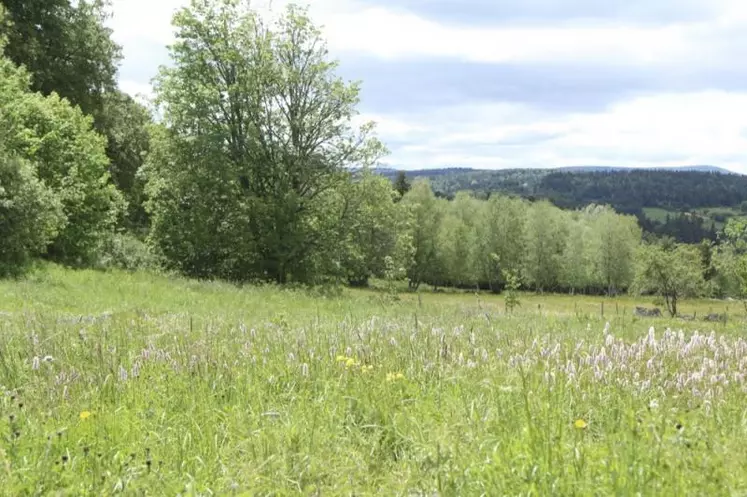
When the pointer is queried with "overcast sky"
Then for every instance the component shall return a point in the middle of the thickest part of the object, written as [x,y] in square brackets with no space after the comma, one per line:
[522,83]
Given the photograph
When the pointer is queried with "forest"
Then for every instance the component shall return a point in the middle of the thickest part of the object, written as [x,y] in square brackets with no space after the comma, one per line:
[253,171]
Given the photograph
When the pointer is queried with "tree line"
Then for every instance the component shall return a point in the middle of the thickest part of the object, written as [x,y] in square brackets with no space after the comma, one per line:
[628,191]
[255,171]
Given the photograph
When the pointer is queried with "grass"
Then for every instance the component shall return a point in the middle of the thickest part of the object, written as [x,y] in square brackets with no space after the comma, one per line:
[136,384]
[716,215]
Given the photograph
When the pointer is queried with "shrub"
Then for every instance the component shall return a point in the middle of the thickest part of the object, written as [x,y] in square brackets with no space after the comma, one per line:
[125,251]
[30,215]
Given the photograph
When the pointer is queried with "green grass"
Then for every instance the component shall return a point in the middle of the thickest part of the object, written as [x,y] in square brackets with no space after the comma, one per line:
[208,389]
[709,214]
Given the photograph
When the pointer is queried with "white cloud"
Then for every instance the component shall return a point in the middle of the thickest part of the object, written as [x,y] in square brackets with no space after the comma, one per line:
[661,130]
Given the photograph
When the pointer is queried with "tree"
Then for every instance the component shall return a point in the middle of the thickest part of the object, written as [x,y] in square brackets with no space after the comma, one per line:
[614,239]
[125,124]
[500,246]
[375,230]
[257,135]
[66,47]
[670,270]
[424,210]
[576,269]
[545,233]
[67,155]
[456,241]
[30,215]
[402,184]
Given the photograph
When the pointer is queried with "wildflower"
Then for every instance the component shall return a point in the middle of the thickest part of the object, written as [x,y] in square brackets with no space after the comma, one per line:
[350,362]
[85,415]
[390,377]
[341,358]
[366,369]
[580,424]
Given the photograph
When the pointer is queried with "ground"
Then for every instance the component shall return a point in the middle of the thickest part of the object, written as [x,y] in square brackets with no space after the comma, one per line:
[136,384]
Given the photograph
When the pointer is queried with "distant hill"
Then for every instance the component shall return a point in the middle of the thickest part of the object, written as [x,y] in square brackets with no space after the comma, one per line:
[677,192]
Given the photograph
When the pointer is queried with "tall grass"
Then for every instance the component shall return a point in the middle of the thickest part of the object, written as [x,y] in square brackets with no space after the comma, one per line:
[133,384]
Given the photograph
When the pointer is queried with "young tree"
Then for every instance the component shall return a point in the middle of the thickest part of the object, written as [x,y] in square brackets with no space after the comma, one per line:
[424,210]
[402,184]
[670,270]
[575,271]
[614,241]
[500,239]
[373,230]
[257,137]
[546,233]
[457,239]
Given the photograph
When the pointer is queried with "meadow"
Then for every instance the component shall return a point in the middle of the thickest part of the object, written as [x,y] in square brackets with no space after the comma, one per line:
[135,384]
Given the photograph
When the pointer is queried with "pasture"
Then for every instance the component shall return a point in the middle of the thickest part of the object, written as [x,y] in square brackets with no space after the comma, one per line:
[136,384]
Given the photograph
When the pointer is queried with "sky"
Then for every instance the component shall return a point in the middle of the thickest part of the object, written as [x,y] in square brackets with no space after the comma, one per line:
[520,83]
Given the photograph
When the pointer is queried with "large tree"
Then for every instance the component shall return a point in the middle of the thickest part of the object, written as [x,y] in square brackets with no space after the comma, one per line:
[66,47]
[257,132]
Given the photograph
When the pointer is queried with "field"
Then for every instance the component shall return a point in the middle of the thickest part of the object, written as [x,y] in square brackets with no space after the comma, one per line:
[717,215]
[135,384]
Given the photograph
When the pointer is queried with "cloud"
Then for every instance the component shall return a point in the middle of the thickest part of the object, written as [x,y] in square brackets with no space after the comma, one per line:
[501,83]
[662,129]
[479,12]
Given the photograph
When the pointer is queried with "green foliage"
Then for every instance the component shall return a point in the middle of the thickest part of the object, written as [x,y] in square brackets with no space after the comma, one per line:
[402,184]
[30,215]
[127,252]
[66,47]
[511,293]
[246,178]
[69,157]
[424,211]
[374,229]
[698,201]
[545,233]
[613,242]
[125,124]
[673,271]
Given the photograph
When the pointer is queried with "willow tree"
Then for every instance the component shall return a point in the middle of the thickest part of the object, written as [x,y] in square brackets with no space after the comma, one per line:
[257,132]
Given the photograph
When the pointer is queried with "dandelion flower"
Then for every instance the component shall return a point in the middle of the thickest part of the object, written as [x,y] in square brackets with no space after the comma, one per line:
[85,415]
[580,424]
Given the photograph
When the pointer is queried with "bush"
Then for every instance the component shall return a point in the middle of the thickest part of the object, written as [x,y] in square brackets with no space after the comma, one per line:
[124,251]
[30,215]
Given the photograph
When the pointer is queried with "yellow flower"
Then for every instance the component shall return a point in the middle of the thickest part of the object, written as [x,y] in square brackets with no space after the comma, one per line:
[580,424]
[350,362]
[85,415]
[366,369]
[341,358]
[394,376]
